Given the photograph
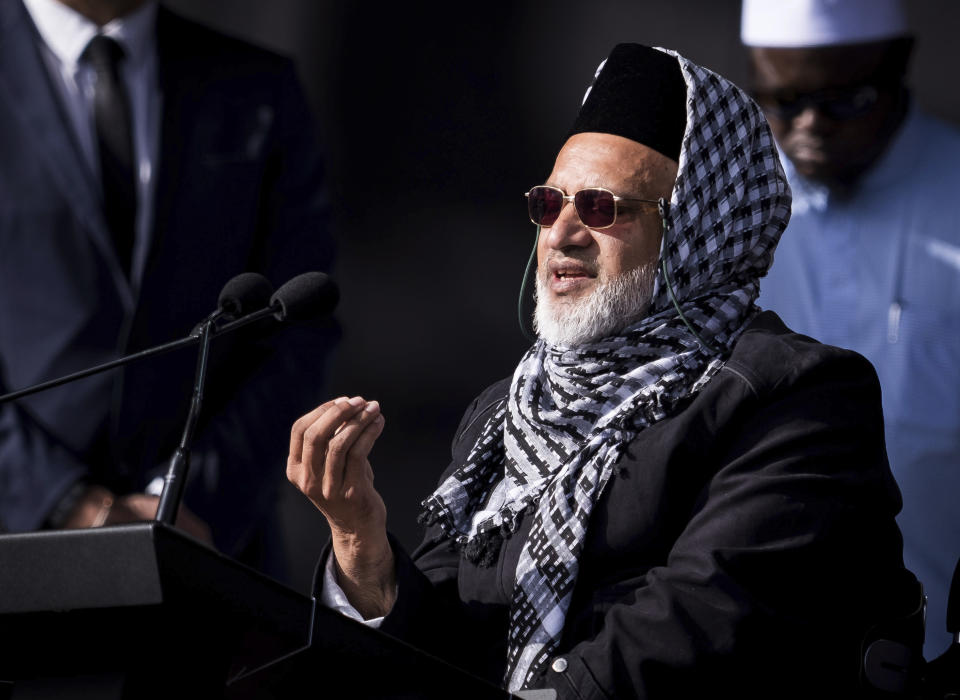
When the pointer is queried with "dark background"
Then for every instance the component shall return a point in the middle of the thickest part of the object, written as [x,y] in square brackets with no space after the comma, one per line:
[436,118]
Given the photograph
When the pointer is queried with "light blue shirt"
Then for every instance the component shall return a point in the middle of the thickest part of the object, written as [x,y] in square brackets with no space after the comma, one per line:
[878,271]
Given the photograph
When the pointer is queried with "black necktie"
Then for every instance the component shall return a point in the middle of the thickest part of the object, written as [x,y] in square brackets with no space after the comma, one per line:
[111,111]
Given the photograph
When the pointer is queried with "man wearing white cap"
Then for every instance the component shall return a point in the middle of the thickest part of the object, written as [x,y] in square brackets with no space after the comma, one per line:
[871,258]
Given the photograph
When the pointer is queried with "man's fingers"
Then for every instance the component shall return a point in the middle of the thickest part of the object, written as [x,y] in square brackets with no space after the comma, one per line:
[358,462]
[341,450]
[193,525]
[366,439]
[317,427]
[308,471]
[300,427]
[141,506]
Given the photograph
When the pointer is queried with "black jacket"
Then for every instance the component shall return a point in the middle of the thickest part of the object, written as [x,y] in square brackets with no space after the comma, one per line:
[747,547]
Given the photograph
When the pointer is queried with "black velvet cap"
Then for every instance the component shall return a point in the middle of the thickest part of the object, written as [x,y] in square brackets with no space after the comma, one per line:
[639,94]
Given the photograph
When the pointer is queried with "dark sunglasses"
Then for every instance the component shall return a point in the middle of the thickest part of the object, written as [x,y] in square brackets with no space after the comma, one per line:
[839,104]
[596,206]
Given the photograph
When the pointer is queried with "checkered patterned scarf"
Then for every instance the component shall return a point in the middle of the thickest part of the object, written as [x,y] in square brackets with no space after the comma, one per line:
[551,447]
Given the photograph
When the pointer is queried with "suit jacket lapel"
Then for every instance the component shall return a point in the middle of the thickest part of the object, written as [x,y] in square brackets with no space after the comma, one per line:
[26,89]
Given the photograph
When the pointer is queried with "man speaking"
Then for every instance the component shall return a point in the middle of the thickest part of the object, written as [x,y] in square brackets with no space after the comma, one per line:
[673,494]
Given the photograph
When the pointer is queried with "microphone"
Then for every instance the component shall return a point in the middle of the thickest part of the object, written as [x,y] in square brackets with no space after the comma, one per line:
[247,292]
[242,294]
[306,296]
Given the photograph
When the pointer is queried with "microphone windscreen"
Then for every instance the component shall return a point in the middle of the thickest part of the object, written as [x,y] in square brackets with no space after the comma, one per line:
[244,294]
[306,296]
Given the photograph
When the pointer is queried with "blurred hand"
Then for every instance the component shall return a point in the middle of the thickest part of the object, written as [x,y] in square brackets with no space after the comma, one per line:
[99,506]
[136,507]
[329,462]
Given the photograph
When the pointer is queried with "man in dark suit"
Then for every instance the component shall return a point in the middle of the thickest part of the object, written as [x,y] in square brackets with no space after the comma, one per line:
[218,173]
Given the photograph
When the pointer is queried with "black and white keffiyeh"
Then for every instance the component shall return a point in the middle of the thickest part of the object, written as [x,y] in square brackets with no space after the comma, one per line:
[551,448]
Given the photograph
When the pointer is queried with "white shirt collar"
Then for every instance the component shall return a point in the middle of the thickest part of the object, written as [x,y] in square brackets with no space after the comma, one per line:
[66,32]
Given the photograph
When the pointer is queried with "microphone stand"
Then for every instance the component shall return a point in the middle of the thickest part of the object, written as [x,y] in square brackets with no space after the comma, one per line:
[174,481]
[304,296]
[158,350]
[191,339]
[176,478]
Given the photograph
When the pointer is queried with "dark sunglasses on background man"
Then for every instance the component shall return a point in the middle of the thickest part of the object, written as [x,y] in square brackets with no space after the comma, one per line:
[597,207]
[839,104]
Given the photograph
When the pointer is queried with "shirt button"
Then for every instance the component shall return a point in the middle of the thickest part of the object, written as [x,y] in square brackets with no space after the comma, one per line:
[559,664]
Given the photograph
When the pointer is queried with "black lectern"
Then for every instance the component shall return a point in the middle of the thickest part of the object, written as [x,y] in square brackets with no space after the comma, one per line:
[143,611]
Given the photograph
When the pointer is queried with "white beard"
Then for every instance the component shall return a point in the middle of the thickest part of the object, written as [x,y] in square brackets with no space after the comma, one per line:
[613,305]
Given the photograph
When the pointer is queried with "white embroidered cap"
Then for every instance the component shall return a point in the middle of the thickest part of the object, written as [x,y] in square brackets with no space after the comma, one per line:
[807,23]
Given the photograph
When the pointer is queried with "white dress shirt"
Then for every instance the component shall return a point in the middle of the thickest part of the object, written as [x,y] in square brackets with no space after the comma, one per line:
[333,597]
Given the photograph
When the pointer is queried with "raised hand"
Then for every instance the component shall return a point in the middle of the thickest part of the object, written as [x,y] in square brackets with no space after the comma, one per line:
[329,462]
